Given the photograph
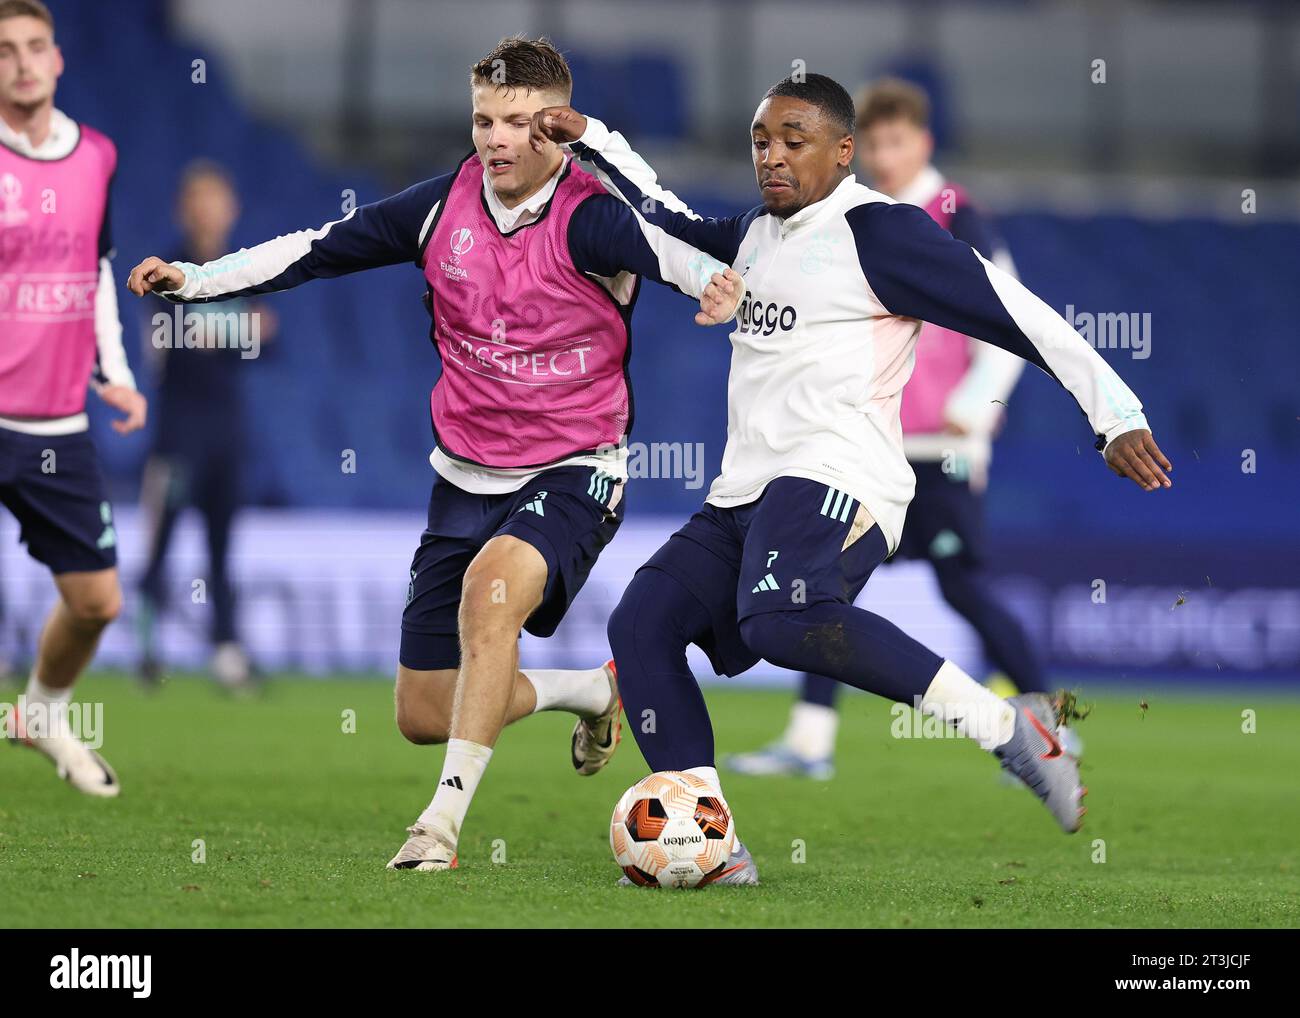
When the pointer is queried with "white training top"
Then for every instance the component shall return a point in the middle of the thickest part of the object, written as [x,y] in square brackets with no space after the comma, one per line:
[824,339]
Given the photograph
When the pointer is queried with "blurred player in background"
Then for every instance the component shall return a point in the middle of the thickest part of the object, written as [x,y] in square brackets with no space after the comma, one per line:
[58,312]
[531,272]
[199,438]
[952,405]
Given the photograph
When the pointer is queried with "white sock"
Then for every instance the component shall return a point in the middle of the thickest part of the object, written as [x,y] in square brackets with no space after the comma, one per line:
[461,772]
[811,731]
[47,708]
[709,775]
[578,691]
[973,710]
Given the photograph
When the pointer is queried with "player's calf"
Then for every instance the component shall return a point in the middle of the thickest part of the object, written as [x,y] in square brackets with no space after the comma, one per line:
[88,602]
[422,703]
[501,587]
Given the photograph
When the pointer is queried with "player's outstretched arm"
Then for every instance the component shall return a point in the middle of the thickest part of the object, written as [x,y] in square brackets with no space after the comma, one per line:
[916,269]
[607,240]
[384,233]
[630,178]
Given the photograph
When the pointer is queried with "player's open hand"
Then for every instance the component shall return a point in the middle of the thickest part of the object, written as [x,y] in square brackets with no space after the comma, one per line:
[130,402]
[560,124]
[720,298]
[1136,456]
[154,274]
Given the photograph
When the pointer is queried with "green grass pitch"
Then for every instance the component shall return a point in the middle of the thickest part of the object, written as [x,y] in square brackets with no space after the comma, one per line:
[1199,821]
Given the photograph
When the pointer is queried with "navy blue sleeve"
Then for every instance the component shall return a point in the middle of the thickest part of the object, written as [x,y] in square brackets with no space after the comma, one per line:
[606,239]
[975,228]
[919,270]
[719,238]
[383,233]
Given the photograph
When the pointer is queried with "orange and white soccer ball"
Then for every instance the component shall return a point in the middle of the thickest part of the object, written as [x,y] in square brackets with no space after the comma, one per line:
[670,830]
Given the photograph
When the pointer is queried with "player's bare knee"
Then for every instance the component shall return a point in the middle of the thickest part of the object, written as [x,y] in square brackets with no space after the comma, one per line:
[508,575]
[95,608]
[497,596]
[420,725]
[423,706]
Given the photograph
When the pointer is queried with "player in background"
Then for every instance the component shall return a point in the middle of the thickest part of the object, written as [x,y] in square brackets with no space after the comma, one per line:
[815,484]
[200,434]
[531,271]
[58,314]
[952,406]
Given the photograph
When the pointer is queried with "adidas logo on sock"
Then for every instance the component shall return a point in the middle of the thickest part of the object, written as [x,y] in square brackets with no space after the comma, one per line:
[454,782]
[768,582]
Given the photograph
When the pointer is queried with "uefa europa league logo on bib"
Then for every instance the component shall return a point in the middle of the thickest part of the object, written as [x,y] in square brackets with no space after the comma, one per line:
[11,190]
[461,242]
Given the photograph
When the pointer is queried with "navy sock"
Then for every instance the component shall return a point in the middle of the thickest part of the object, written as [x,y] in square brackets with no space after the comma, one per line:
[649,631]
[1005,642]
[845,643]
[818,689]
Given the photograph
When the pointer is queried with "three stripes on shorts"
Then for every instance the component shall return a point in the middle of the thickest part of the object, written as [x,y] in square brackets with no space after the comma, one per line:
[599,487]
[837,504]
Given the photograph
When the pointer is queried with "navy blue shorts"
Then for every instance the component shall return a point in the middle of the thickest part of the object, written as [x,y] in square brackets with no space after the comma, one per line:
[945,520]
[54,486]
[568,514]
[782,552]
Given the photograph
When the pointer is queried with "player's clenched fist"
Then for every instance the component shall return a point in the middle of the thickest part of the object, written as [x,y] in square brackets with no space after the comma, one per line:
[154,274]
[1136,456]
[560,124]
[720,298]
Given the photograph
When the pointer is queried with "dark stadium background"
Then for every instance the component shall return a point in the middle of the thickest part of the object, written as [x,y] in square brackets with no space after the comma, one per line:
[1122,197]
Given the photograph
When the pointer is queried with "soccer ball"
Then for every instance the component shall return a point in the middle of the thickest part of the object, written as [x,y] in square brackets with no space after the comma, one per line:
[671,830]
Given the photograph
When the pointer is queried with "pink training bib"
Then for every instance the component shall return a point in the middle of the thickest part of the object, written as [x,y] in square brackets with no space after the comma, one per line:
[942,356]
[51,216]
[533,352]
